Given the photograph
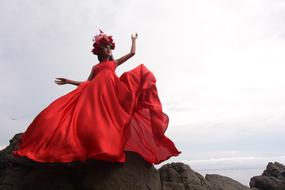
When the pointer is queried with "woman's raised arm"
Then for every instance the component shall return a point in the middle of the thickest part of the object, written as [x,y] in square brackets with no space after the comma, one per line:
[132,52]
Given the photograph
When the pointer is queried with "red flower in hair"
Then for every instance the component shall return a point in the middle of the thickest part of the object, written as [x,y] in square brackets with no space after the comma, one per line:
[100,41]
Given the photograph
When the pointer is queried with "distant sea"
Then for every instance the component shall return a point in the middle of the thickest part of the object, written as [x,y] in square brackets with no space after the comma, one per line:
[241,175]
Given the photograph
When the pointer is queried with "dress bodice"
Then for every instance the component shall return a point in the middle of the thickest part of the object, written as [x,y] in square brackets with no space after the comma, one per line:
[109,65]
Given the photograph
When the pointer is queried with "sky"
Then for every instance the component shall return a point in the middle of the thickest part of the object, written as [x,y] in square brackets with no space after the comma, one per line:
[219,66]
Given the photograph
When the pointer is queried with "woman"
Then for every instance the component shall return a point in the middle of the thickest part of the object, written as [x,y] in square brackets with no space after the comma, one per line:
[103,117]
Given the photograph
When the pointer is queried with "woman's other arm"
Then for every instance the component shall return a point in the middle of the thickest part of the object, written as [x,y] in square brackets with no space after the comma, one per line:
[62,81]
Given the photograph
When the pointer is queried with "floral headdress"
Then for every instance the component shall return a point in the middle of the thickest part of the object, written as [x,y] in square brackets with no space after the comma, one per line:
[102,40]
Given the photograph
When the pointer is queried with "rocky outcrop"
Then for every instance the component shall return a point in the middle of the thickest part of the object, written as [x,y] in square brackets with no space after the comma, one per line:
[135,174]
[179,176]
[273,178]
[219,182]
[25,174]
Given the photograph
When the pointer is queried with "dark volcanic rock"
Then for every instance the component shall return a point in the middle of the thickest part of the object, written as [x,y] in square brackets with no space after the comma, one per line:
[25,174]
[179,176]
[219,182]
[136,174]
[273,178]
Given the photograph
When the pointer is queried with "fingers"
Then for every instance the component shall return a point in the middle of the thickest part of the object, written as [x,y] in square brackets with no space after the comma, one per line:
[60,81]
[135,35]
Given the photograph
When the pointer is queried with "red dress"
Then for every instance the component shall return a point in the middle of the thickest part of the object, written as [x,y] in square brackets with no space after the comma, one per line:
[101,119]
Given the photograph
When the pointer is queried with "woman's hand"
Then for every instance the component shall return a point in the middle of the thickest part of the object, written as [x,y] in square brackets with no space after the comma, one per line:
[61,81]
[134,36]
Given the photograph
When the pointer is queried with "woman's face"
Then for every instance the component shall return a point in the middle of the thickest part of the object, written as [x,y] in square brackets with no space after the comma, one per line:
[107,50]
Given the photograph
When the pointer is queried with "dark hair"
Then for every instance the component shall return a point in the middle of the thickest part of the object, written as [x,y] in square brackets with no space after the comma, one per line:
[101,57]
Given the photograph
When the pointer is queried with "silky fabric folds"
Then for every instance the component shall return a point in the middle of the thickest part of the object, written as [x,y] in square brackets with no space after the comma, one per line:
[101,119]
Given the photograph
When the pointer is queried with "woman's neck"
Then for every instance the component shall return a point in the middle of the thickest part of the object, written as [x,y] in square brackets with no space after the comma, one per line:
[107,58]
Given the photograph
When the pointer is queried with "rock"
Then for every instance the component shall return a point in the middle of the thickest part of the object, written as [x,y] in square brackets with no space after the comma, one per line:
[273,178]
[136,174]
[219,182]
[275,170]
[25,174]
[179,176]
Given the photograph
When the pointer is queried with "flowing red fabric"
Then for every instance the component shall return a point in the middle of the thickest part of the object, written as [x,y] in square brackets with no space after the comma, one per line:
[101,119]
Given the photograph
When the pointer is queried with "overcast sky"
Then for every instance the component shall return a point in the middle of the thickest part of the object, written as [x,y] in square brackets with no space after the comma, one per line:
[219,66]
